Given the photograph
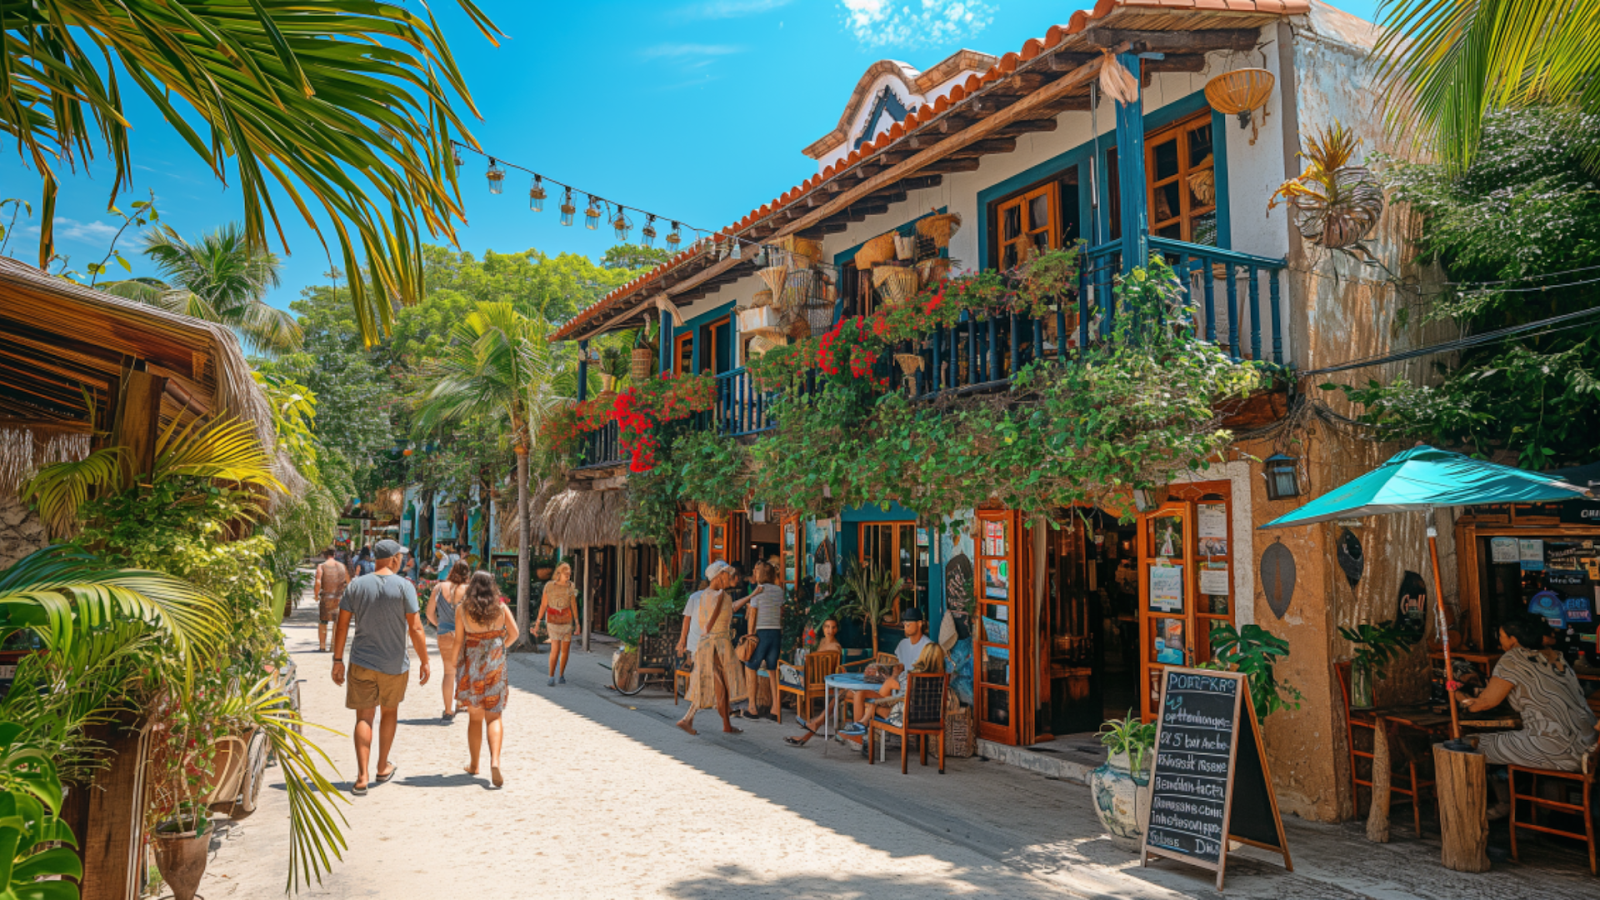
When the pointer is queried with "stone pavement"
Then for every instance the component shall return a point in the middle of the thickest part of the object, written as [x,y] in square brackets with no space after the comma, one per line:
[606,799]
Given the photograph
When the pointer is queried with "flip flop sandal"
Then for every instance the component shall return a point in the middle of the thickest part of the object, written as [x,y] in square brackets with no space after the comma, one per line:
[794,741]
[384,779]
[360,790]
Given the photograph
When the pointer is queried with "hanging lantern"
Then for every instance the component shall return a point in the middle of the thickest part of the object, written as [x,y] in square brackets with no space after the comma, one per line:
[536,195]
[738,248]
[496,176]
[761,256]
[675,238]
[455,152]
[1240,91]
[622,224]
[591,216]
[647,234]
[1283,481]
[567,209]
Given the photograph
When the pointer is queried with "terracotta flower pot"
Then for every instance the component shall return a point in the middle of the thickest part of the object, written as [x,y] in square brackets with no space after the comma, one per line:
[543,573]
[181,860]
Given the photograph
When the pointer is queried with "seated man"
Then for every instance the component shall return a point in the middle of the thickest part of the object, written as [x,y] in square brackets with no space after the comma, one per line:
[907,652]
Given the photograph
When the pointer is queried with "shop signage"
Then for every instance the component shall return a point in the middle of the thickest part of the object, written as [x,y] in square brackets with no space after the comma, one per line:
[1210,783]
[1580,512]
[1277,577]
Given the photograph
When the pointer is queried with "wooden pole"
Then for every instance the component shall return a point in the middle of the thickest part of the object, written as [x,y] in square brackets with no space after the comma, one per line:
[1378,814]
[583,595]
[1444,629]
[1463,808]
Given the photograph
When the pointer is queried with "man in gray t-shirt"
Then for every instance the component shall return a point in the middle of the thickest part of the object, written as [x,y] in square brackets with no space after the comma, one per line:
[384,607]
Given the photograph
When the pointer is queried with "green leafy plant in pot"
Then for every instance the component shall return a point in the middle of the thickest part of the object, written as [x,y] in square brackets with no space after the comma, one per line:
[873,593]
[40,844]
[1121,785]
[1376,647]
[1254,651]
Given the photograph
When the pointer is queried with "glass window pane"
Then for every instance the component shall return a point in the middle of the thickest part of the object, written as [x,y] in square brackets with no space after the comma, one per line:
[1174,231]
[996,665]
[1008,257]
[1166,158]
[996,706]
[1041,240]
[1039,212]
[1200,146]
[1204,229]
[1167,203]
[1011,221]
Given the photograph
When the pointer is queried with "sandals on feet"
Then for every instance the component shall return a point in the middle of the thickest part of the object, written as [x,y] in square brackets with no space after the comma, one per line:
[794,741]
[384,779]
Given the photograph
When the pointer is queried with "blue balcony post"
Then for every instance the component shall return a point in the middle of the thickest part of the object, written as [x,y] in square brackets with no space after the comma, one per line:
[1233,310]
[583,371]
[1255,313]
[1083,310]
[991,365]
[1277,324]
[1016,344]
[666,342]
[938,338]
[1130,172]
[1208,278]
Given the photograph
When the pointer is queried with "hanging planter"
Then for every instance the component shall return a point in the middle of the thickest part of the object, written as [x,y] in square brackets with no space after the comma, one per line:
[1335,204]
[939,228]
[1238,93]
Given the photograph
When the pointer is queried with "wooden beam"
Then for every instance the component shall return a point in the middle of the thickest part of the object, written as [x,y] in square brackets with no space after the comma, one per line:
[963,164]
[1217,39]
[138,420]
[1175,62]
[1028,126]
[1064,62]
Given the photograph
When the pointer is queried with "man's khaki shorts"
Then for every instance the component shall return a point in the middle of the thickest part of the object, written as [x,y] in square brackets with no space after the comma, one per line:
[369,689]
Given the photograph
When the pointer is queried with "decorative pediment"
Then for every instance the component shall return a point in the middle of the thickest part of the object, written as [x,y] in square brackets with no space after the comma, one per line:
[885,93]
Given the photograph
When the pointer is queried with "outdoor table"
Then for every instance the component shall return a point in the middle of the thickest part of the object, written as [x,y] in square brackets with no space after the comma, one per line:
[1425,719]
[840,682]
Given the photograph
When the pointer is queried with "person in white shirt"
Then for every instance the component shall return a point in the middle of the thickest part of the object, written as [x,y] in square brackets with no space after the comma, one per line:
[689,635]
[906,652]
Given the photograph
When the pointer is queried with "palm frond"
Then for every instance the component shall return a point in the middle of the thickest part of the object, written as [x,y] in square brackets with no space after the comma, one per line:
[59,590]
[220,449]
[60,489]
[347,109]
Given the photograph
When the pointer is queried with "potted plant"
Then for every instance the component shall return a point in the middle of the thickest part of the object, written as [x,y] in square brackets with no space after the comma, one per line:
[874,594]
[1254,651]
[631,626]
[1376,647]
[646,344]
[182,773]
[1121,785]
[543,566]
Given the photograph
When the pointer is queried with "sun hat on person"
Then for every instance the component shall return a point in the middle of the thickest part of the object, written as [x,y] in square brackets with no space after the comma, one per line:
[716,568]
[387,549]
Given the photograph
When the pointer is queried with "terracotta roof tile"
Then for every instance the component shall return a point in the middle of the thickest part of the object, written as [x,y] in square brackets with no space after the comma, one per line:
[1005,67]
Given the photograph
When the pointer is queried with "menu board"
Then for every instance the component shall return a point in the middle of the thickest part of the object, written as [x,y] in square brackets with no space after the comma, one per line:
[1210,783]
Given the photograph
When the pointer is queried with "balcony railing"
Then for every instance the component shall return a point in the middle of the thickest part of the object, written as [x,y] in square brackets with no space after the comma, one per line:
[1233,296]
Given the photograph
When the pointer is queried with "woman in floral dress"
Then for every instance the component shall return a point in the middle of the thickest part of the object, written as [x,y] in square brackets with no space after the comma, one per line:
[484,626]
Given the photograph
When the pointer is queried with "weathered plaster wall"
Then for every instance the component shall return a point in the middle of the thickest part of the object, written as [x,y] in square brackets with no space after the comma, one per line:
[21,532]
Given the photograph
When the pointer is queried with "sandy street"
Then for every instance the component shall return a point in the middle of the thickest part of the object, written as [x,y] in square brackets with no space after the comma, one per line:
[600,801]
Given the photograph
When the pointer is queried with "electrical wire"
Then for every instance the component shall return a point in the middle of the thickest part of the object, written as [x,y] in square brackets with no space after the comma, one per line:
[1572,320]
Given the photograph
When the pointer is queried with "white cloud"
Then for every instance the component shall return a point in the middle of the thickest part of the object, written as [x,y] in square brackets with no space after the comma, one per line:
[917,23]
[730,9]
[688,51]
[73,230]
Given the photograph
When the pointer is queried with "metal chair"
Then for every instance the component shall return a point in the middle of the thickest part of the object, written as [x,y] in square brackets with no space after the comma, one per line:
[1585,782]
[818,667]
[1355,720]
[922,717]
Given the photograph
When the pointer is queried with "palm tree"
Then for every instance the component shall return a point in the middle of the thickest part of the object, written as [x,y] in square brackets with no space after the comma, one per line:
[347,107]
[220,279]
[498,364]
[1459,61]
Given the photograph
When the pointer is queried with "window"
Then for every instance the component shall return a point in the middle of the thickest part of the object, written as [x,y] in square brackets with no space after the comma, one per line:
[1182,179]
[683,354]
[894,547]
[1029,224]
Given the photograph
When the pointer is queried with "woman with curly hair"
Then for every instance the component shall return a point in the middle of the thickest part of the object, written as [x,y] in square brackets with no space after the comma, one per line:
[484,626]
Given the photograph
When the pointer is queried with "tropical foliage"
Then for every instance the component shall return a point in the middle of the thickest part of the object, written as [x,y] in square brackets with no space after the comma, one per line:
[874,594]
[1254,651]
[34,843]
[1532,397]
[350,111]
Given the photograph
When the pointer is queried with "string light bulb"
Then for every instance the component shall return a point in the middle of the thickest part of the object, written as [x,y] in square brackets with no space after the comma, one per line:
[536,195]
[591,216]
[738,248]
[567,209]
[622,224]
[647,235]
[761,256]
[496,176]
[675,238]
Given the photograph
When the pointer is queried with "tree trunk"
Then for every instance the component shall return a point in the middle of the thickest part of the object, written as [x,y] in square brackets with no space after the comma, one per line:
[523,642]
[1463,788]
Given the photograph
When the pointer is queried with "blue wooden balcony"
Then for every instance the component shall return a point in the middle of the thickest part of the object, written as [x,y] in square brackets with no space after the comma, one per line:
[601,448]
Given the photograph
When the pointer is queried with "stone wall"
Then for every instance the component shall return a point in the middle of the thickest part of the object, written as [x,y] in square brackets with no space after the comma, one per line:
[21,532]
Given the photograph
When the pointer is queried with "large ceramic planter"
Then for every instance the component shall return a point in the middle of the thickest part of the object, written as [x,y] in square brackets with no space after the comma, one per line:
[181,859]
[624,667]
[1121,800]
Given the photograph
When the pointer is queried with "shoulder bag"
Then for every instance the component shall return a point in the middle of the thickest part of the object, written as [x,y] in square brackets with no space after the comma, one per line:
[746,647]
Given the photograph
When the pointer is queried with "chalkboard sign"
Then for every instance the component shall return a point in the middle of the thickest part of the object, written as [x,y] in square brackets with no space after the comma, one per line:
[1211,783]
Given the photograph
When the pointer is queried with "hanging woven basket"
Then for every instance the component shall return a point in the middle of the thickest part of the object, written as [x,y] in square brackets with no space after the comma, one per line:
[773,277]
[798,289]
[1239,90]
[929,271]
[806,252]
[905,246]
[762,297]
[878,250]
[939,228]
[897,284]
[713,515]
[642,364]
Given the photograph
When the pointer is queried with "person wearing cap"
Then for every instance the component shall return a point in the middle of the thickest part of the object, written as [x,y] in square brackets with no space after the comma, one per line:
[384,607]
[718,676]
[907,652]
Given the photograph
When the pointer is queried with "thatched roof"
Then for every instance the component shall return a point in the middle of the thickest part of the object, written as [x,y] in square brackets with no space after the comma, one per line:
[64,350]
[508,524]
[586,518]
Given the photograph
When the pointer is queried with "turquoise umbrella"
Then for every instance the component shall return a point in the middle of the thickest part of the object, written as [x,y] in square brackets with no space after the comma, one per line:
[1423,479]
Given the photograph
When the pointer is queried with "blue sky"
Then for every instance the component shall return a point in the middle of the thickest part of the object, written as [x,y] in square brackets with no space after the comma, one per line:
[697,110]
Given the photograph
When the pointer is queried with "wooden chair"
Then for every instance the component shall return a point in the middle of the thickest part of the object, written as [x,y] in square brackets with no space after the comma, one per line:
[1361,721]
[681,673]
[818,667]
[922,717]
[1583,780]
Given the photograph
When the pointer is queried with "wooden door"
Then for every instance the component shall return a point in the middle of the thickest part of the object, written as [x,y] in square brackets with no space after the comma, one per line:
[1001,627]
[1071,631]
[893,547]
[1185,582]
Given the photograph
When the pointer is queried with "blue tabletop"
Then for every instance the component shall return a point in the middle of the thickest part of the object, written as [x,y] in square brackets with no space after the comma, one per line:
[852,681]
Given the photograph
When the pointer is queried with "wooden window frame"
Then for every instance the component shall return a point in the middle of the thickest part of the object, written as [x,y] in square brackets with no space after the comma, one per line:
[1051,191]
[1186,212]
[682,348]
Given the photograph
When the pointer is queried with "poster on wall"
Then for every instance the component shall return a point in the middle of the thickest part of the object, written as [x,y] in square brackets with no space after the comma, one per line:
[1503,550]
[1211,528]
[1214,579]
[1169,641]
[996,579]
[1166,589]
[1530,552]
[1168,535]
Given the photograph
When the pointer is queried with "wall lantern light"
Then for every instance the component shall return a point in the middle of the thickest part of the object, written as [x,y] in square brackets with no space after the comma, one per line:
[1283,480]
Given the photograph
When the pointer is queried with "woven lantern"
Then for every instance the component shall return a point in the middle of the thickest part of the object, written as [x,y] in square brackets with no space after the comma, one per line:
[622,225]
[1240,91]
[496,176]
[536,195]
[591,216]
